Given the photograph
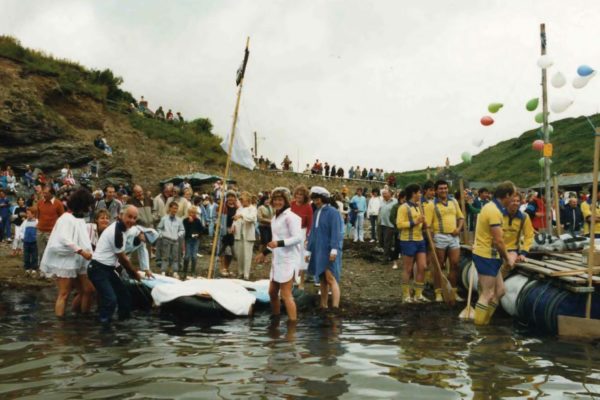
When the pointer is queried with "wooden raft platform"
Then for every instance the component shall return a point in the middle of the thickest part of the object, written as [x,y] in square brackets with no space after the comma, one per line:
[567,268]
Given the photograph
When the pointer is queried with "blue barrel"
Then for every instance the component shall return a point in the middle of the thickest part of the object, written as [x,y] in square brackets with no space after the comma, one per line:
[540,303]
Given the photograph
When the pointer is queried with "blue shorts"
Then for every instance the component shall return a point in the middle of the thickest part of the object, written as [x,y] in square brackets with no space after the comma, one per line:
[487,266]
[410,248]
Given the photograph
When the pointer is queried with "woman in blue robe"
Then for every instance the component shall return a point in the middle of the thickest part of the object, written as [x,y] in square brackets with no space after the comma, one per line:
[324,246]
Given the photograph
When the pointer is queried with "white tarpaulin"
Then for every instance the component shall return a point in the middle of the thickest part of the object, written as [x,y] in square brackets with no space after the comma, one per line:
[240,152]
[232,296]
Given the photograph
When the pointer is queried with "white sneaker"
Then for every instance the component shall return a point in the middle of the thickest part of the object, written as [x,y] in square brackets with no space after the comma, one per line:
[175,275]
[422,299]
[199,255]
[163,273]
[458,298]
[407,300]
[395,266]
[355,240]
[372,241]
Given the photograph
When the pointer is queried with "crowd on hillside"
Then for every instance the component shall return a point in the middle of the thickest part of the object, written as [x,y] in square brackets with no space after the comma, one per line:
[142,108]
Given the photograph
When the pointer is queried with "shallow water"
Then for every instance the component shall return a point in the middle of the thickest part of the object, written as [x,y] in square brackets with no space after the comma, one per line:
[414,356]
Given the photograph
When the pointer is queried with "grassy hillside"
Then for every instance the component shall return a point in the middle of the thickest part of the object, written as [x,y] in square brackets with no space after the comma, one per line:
[514,159]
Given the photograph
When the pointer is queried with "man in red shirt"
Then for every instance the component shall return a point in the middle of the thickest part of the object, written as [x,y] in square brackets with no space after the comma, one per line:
[48,210]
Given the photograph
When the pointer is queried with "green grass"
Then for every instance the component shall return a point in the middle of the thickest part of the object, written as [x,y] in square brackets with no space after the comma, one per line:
[195,135]
[71,77]
[515,160]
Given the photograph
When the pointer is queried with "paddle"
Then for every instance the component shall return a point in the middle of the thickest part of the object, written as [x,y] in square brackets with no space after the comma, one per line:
[447,292]
[576,326]
[468,312]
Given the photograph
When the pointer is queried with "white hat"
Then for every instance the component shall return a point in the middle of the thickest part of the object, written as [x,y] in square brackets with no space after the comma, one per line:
[318,190]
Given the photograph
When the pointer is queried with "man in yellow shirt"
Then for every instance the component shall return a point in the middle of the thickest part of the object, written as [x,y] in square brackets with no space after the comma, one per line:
[410,222]
[517,231]
[488,252]
[445,220]
[586,210]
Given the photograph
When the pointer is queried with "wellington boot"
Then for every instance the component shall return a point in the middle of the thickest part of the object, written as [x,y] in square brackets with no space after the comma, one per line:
[480,314]
[405,291]
[419,286]
[490,311]
[438,296]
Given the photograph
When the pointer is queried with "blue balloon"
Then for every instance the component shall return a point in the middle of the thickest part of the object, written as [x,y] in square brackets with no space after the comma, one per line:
[584,70]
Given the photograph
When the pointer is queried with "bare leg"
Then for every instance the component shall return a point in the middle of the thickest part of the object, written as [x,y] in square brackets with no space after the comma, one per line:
[335,289]
[64,289]
[421,259]
[87,292]
[324,291]
[454,257]
[288,299]
[274,297]
[302,278]
[441,256]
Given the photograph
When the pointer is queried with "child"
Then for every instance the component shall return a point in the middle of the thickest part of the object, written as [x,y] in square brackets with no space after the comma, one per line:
[170,229]
[19,215]
[193,228]
[28,235]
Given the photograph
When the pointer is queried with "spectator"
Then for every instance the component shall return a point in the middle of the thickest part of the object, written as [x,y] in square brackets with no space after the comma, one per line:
[244,228]
[572,218]
[110,203]
[49,209]
[373,212]
[264,216]
[29,181]
[340,172]
[144,206]
[193,228]
[5,216]
[360,203]
[179,117]
[27,234]
[143,105]
[171,230]
[18,216]
[169,116]
[159,113]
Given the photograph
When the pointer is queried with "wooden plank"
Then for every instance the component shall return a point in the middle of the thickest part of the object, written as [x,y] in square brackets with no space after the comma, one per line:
[551,264]
[577,327]
[581,271]
[548,271]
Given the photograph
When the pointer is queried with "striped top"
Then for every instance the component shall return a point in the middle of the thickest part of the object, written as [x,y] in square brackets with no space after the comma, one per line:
[408,213]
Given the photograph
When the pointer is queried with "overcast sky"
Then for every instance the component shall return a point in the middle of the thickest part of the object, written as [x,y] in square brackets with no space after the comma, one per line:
[393,84]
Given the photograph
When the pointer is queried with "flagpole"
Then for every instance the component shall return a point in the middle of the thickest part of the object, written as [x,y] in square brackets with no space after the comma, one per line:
[228,164]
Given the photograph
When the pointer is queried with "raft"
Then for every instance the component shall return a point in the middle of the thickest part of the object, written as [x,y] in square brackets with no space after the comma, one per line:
[202,306]
[535,301]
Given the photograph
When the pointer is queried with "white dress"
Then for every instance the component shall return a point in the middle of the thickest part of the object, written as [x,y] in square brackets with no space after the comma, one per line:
[286,260]
[60,258]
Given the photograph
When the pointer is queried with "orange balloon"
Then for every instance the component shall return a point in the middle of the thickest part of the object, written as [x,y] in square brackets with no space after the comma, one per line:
[487,120]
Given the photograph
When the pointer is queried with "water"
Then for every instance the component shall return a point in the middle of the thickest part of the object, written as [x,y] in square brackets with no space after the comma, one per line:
[414,356]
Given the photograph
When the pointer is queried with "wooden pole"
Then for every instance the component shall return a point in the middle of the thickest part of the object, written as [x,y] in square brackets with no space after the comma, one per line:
[547,199]
[255,145]
[588,307]
[227,165]
[557,204]
[463,208]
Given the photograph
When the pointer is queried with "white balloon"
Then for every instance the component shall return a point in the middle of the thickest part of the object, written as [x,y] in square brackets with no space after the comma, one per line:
[558,80]
[560,104]
[545,61]
[580,81]
[477,142]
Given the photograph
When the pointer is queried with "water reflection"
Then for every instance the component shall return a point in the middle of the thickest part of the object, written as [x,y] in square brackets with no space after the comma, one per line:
[413,356]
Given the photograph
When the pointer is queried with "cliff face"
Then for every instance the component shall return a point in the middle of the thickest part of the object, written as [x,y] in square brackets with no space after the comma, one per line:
[31,131]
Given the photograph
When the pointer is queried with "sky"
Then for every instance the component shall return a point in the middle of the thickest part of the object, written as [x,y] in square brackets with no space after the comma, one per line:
[398,85]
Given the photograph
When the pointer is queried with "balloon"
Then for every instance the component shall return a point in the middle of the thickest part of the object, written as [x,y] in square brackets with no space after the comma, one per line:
[541,162]
[487,120]
[538,145]
[560,104]
[532,104]
[477,142]
[584,70]
[466,157]
[539,118]
[550,129]
[558,80]
[580,81]
[494,107]
[545,61]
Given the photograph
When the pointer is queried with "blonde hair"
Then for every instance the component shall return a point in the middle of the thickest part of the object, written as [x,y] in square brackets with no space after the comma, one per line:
[303,191]
[246,196]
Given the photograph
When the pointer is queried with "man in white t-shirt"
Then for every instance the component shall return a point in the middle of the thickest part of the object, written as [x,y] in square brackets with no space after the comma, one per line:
[110,250]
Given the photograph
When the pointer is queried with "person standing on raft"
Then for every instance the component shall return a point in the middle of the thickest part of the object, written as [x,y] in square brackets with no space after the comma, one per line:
[288,238]
[324,247]
[489,250]
[517,232]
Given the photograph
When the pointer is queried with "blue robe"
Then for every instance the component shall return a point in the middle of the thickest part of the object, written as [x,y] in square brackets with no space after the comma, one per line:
[324,238]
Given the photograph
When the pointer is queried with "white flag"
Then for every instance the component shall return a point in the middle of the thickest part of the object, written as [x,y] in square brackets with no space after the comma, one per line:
[240,152]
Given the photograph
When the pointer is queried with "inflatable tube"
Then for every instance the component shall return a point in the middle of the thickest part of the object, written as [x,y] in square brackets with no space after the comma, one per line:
[464,269]
[514,284]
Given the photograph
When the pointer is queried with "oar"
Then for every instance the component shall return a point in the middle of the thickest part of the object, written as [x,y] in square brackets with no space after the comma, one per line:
[576,326]
[447,292]
[468,312]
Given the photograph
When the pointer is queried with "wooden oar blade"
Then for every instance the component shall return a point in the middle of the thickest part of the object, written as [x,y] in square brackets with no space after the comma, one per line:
[467,313]
[448,294]
[577,327]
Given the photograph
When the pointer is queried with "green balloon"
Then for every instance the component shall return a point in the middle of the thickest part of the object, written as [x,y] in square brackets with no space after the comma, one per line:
[532,104]
[541,162]
[494,107]
[539,117]
[550,129]
[466,157]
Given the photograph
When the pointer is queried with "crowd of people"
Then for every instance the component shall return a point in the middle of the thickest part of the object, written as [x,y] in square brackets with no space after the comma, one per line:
[142,108]
[81,237]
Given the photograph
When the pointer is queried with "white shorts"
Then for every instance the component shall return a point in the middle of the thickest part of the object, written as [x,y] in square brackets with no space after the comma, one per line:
[446,241]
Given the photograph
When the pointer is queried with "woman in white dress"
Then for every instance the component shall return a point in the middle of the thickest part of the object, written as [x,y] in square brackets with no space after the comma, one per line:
[287,253]
[67,252]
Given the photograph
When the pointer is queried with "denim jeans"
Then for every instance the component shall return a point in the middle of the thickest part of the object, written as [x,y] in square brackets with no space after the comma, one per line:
[5,232]
[373,221]
[30,255]
[111,291]
[359,229]
[191,250]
